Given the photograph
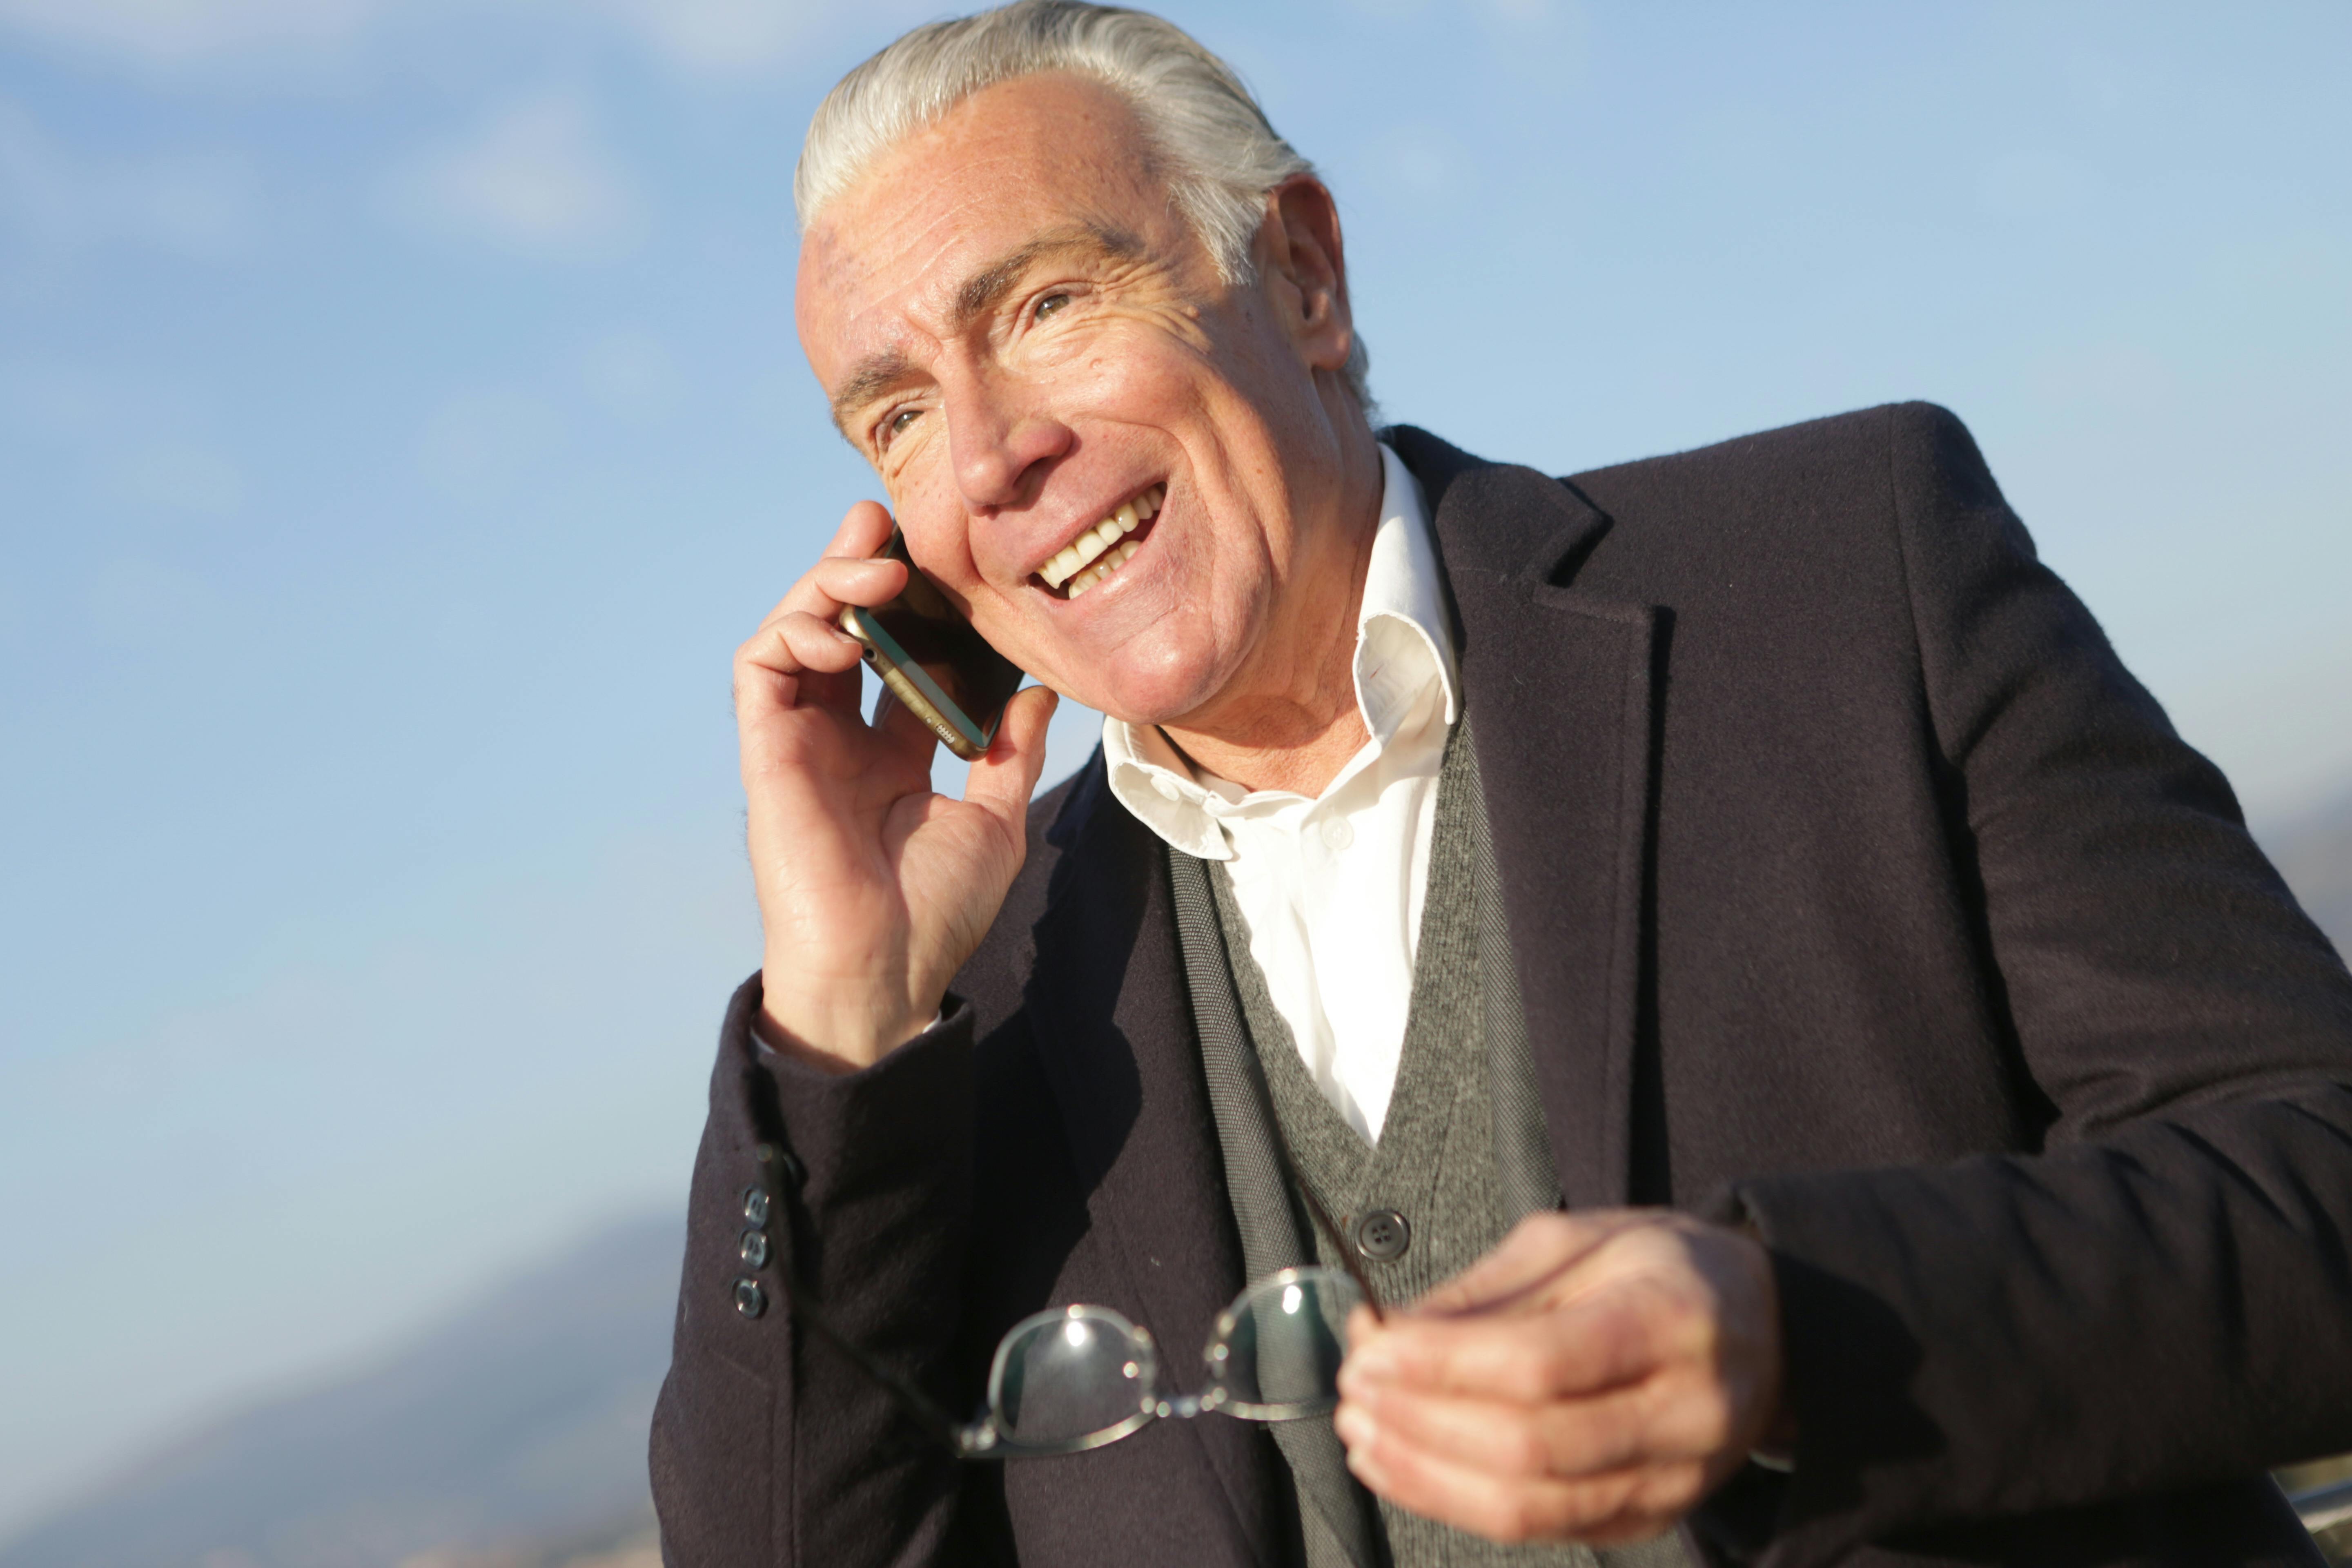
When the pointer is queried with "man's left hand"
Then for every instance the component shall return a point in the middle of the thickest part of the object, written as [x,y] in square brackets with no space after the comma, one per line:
[1591,1379]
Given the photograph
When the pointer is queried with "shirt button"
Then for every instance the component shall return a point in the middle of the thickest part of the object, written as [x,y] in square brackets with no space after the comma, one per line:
[1338,834]
[1382,1236]
[1167,787]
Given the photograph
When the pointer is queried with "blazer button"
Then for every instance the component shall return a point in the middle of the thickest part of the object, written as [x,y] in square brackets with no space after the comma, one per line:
[750,1299]
[1382,1236]
[753,1248]
[785,1161]
[755,1205]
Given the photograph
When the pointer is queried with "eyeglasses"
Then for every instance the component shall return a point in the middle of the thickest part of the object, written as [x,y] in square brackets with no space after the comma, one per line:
[1078,1378]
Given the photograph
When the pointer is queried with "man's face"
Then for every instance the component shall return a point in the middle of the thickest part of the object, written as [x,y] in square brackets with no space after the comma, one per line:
[1023,334]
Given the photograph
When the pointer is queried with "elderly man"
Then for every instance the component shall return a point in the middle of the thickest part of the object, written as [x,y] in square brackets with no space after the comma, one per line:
[1816,1067]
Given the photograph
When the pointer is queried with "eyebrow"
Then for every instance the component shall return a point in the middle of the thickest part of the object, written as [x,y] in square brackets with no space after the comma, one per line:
[975,297]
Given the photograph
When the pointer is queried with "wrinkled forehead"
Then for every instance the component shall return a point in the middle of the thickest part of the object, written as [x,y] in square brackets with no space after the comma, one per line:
[1006,168]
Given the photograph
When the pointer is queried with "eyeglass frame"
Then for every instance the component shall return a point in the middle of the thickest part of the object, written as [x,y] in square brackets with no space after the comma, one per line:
[977,1439]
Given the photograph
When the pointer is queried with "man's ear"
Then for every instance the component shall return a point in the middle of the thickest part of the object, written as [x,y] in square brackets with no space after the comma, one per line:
[1303,267]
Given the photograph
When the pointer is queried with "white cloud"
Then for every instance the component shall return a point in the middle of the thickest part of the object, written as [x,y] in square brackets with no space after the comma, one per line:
[535,178]
[206,205]
[174,31]
[132,435]
[708,37]
[717,38]
[1426,160]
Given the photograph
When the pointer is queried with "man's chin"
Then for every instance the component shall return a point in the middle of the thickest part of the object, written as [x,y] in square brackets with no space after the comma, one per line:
[1161,696]
[1156,663]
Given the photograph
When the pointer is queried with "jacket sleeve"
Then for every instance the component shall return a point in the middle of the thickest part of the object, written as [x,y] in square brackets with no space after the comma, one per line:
[769,1448]
[2160,1295]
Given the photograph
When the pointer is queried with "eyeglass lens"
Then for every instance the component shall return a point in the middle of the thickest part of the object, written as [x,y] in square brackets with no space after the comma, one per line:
[1279,1359]
[1072,1375]
[1086,1376]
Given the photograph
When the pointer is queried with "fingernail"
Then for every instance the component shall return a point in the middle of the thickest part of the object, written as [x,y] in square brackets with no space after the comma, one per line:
[1373,1362]
[1354,1425]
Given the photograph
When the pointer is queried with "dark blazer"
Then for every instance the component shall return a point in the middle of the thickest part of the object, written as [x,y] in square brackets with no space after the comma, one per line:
[1855,889]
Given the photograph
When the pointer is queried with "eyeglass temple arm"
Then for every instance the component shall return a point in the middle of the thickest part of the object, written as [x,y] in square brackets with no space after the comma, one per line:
[1338,1237]
[760,1092]
[919,1404]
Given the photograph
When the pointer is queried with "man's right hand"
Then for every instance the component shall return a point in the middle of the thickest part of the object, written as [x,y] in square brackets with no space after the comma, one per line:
[873,891]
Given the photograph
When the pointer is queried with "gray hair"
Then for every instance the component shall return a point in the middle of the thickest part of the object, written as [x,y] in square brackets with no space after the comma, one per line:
[1221,154]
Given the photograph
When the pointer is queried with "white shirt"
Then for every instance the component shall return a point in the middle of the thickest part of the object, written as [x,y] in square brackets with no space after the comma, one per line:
[1332,886]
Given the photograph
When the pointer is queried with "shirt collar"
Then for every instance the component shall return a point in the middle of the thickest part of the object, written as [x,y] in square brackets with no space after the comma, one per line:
[1403,639]
[1404,644]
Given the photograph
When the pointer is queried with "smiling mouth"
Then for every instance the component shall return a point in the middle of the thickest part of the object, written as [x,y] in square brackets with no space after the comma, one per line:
[1094,555]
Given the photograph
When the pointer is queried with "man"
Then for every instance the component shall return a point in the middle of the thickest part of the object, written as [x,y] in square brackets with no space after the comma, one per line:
[1760,834]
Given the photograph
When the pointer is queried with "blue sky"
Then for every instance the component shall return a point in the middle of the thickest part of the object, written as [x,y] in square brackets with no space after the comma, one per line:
[401,421]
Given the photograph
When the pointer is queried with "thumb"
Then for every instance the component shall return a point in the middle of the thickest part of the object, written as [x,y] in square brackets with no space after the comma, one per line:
[1535,1252]
[1001,782]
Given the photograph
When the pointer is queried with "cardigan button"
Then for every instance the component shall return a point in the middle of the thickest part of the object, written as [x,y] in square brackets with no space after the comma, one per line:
[752,1248]
[755,1205]
[1382,1236]
[750,1299]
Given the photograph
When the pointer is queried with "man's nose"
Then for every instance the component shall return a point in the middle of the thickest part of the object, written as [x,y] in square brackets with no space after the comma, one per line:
[999,442]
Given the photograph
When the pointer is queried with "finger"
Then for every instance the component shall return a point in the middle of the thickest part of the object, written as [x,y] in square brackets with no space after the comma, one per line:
[845,573]
[1573,1349]
[796,661]
[903,726]
[857,580]
[1002,781]
[1600,1510]
[1561,1440]
[799,643]
[864,529]
[1537,1250]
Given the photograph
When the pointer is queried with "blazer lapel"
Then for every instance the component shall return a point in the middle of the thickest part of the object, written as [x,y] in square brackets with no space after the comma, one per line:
[1115,1035]
[1563,684]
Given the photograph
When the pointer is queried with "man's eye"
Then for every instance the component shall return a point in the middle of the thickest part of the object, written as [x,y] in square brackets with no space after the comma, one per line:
[896,425]
[1051,303]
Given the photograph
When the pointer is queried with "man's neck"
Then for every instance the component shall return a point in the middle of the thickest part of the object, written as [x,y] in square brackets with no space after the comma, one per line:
[1292,722]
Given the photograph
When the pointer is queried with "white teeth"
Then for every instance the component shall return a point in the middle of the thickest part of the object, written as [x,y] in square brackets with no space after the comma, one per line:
[1106,541]
[1110,563]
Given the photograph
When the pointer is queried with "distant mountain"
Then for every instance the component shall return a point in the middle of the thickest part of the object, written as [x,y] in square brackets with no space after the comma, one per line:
[2316,858]
[518,1422]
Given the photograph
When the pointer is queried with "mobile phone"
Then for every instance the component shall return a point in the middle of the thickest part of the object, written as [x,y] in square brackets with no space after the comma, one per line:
[932,660]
